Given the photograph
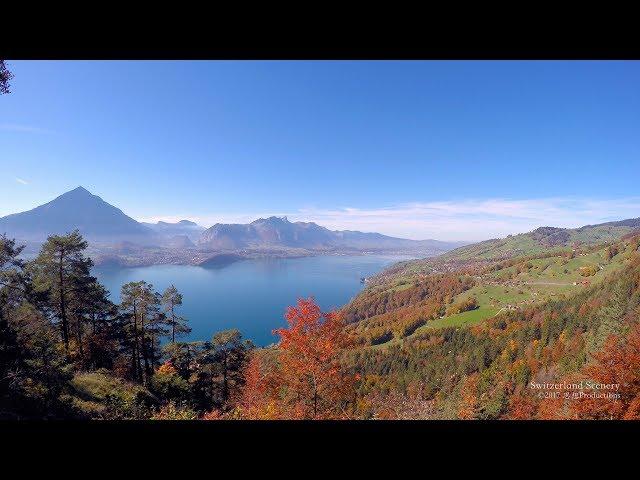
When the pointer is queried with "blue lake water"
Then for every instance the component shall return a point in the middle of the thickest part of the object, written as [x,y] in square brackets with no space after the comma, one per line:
[251,295]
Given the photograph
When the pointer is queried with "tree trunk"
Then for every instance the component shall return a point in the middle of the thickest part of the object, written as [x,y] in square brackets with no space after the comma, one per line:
[153,351]
[63,307]
[135,353]
[173,325]
[144,351]
[225,381]
[79,335]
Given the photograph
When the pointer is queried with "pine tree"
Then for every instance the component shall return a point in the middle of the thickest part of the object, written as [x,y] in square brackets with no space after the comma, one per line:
[171,299]
[611,317]
[62,272]
[142,305]
[229,353]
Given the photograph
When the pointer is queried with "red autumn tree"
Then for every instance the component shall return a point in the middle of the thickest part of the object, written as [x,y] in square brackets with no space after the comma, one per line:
[521,407]
[313,381]
[469,403]
[306,380]
[260,399]
[617,363]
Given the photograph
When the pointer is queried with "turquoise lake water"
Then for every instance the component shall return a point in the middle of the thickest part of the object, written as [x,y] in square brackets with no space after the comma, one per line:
[252,295]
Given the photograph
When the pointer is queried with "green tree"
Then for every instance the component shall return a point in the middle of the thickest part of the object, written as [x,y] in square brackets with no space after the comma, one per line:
[229,353]
[171,299]
[182,356]
[12,275]
[104,329]
[141,304]
[62,271]
[611,317]
[219,376]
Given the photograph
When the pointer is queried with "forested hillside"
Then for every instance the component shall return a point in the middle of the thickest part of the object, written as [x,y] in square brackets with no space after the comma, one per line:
[543,318]
[540,241]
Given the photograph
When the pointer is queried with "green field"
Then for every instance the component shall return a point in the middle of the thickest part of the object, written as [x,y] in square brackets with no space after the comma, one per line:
[461,319]
[464,319]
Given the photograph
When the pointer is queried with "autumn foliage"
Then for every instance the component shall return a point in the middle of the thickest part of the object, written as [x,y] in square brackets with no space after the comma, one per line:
[617,363]
[303,377]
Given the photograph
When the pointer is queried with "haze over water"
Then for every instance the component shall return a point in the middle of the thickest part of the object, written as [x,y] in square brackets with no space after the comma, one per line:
[252,295]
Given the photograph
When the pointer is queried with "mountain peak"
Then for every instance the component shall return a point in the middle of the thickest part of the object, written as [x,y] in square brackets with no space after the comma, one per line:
[272,220]
[80,190]
[78,193]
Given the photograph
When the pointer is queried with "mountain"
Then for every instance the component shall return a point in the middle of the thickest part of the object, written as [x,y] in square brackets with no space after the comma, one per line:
[112,233]
[93,217]
[179,241]
[280,232]
[360,240]
[182,228]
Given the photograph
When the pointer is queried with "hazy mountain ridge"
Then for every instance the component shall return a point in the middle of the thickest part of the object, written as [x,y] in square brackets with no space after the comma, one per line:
[276,231]
[114,236]
[182,228]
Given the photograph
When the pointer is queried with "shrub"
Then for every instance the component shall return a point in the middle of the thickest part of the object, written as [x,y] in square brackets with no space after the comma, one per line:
[166,383]
[588,271]
[173,411]
[462,306]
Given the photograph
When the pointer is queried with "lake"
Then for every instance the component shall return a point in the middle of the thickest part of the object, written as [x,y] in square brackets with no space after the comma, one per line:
[251,295]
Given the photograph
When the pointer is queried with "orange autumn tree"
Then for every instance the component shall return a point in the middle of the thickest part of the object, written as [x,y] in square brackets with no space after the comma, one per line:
[306,379]
[469,403]
[521,407]
[260,399]
[617,363]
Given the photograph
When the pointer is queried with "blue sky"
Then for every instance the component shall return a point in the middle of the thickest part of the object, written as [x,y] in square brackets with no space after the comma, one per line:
[446,150]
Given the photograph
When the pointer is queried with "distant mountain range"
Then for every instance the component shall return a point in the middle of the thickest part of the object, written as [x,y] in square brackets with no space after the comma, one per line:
[183,228]
[107,227]
[277,231]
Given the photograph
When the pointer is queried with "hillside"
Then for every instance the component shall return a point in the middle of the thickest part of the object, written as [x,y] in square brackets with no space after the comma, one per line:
[393,311]
[537,242]
[468,344]
[543,238]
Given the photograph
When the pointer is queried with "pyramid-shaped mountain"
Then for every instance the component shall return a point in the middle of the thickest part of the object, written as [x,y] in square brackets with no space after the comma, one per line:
[78,209]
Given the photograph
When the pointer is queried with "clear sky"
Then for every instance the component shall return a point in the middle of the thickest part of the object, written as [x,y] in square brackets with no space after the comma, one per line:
[445,150]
